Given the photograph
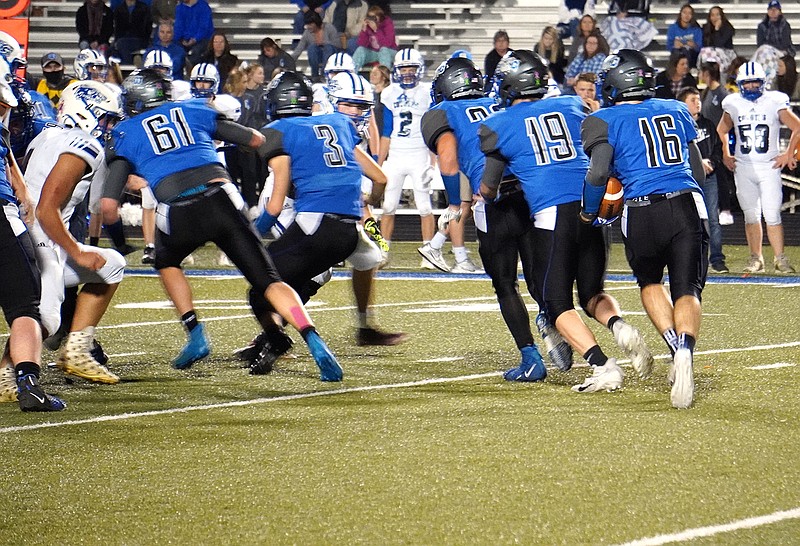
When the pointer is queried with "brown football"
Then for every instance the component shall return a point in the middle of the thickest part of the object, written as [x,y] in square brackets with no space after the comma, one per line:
[611,205]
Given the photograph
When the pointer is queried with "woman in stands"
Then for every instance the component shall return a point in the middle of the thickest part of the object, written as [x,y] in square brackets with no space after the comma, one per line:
[219,54]
[586,27]
[377,41]
[718,31]
[675,77]
[595,50]
[551,49]
[685,34]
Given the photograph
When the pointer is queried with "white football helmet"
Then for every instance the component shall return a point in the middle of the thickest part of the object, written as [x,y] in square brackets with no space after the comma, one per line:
[90,65]
[404,58]
[204,72]
[159,60]
[89,105]
[352,89]
[751,72]
[7,96]
[12,51]
[338,62]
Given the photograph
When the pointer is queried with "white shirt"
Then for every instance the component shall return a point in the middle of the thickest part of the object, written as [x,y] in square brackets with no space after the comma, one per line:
[407,107]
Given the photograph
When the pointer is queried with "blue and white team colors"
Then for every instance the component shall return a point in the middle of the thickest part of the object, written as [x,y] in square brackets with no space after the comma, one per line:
[757,126]
[166,132]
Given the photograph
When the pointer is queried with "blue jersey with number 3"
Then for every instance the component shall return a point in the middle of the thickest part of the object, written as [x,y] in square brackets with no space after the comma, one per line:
[541,142]
[325,173]
[170,138]
[651,145]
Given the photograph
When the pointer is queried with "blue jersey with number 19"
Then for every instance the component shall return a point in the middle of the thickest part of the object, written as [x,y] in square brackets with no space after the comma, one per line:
[325,173]
[541,142]
[651,144]
[170,138]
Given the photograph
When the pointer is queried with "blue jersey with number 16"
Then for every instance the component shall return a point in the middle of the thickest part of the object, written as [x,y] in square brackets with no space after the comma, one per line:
[170,138]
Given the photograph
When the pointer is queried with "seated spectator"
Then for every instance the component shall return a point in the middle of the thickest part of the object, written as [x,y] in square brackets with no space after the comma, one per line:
[730,75]
[551,50]
[305,6]
[94,22]
[163,10]
[624,32]
[272,57]
[675,77]
[685,34]
[595,51]
[587,26]
[54,81]
[768,57]
[133,26]
[774,29]
[718,31]
[219,54]
[165,43]
[347,16]
[320,40]
[570,12]
[786,80]
[501,44]
[194,25]
[116,3]
[634,8]
[586,88]
[376,41]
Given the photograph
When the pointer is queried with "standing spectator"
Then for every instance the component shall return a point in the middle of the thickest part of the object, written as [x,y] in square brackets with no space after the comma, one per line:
[718,31]
[685,34]
[54,81]
[585,28]
[347,16]
[675,77]
[219,54]
[163,10]
[94,21]
[194,25]
[380,78]
[774,29]
[569,15]
[786,80]
[376,41]
[272,57]
[321,42]
[133,26]
[551,50]
[166,44]
[501,43]
[595,50]
[253,115]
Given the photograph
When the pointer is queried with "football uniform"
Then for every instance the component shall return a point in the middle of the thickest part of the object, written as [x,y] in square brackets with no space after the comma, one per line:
[408,155]
[57,269]
[756,126]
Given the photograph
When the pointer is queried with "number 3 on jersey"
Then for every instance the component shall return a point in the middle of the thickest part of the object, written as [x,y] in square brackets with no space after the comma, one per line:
[335,156]
[167,134]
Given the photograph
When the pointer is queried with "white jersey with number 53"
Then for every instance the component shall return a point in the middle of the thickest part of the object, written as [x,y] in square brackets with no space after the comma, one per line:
[756,125]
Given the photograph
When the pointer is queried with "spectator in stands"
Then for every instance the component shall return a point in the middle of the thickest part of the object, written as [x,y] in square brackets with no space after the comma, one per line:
[586,88]
[718,31]
[347,16]
[133,26]
[272,57]
[774,29]
[685,34]
[54,81]
[166,43]
[633,8]
[194,25]
[501,44]
[675,77]
[320,40]
[380,77]
[551,50]
[163,10]
[219,54]
[305,6]
[94,21]
[730,75]
[786,80]
[116,3]
[624,32]
[587,26]
[254,170]
[376,41]
[595,51]
[569,15]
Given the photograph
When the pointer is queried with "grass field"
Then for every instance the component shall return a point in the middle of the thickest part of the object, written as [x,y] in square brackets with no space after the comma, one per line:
[420,444]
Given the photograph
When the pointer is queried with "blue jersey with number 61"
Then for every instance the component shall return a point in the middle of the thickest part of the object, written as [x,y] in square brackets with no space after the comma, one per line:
[170,138]
[325,173]
[651,144]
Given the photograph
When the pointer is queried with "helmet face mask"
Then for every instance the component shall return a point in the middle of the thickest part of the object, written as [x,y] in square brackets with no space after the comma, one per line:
[751,72]
[408,68]
[90,65]
[159,60]
[520,74]
[626,75]
[456,78]
[143,90]
[208,75]
[90,106]
[354,93]
[289,94]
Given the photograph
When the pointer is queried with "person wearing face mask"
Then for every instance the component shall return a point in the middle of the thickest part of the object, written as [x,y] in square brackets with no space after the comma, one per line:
[54,81]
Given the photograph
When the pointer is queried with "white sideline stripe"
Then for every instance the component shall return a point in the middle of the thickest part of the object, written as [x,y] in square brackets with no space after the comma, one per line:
[239,403]
[691,534]
[772,366]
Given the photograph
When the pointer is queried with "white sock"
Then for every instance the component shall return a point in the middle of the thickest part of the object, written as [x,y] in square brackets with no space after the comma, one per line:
[438,240]
[460,252]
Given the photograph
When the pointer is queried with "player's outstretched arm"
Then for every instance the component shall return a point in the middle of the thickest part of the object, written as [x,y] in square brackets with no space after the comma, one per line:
[723,128]
[788,158]
[372,171]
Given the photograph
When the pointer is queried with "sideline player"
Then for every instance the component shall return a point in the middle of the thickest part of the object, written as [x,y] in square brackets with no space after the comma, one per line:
[650,143]
[756,115]
[171,145]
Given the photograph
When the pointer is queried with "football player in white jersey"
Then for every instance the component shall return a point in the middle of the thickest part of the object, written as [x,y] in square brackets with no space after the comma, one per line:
[402,151]
[62,162]
[756,115]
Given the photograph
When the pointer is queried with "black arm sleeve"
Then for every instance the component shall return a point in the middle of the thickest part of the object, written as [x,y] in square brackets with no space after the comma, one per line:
[594,131]
[118,171]
[229,131]
[493,171]
[602,154]
[696,161]
[434,124]
[273,145]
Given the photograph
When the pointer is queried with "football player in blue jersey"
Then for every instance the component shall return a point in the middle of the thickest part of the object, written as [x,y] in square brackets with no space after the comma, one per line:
[316,157]
[171,145]
[505,232]
[651,145]
[551,165]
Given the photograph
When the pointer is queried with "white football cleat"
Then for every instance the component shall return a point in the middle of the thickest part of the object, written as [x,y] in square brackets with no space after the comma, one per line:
[683,388]
[432,258]
[604,378]
[630,340]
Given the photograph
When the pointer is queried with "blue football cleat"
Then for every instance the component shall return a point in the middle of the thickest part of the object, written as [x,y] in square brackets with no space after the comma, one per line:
[329,368]
[530,369]
[32,397]
[197,348]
